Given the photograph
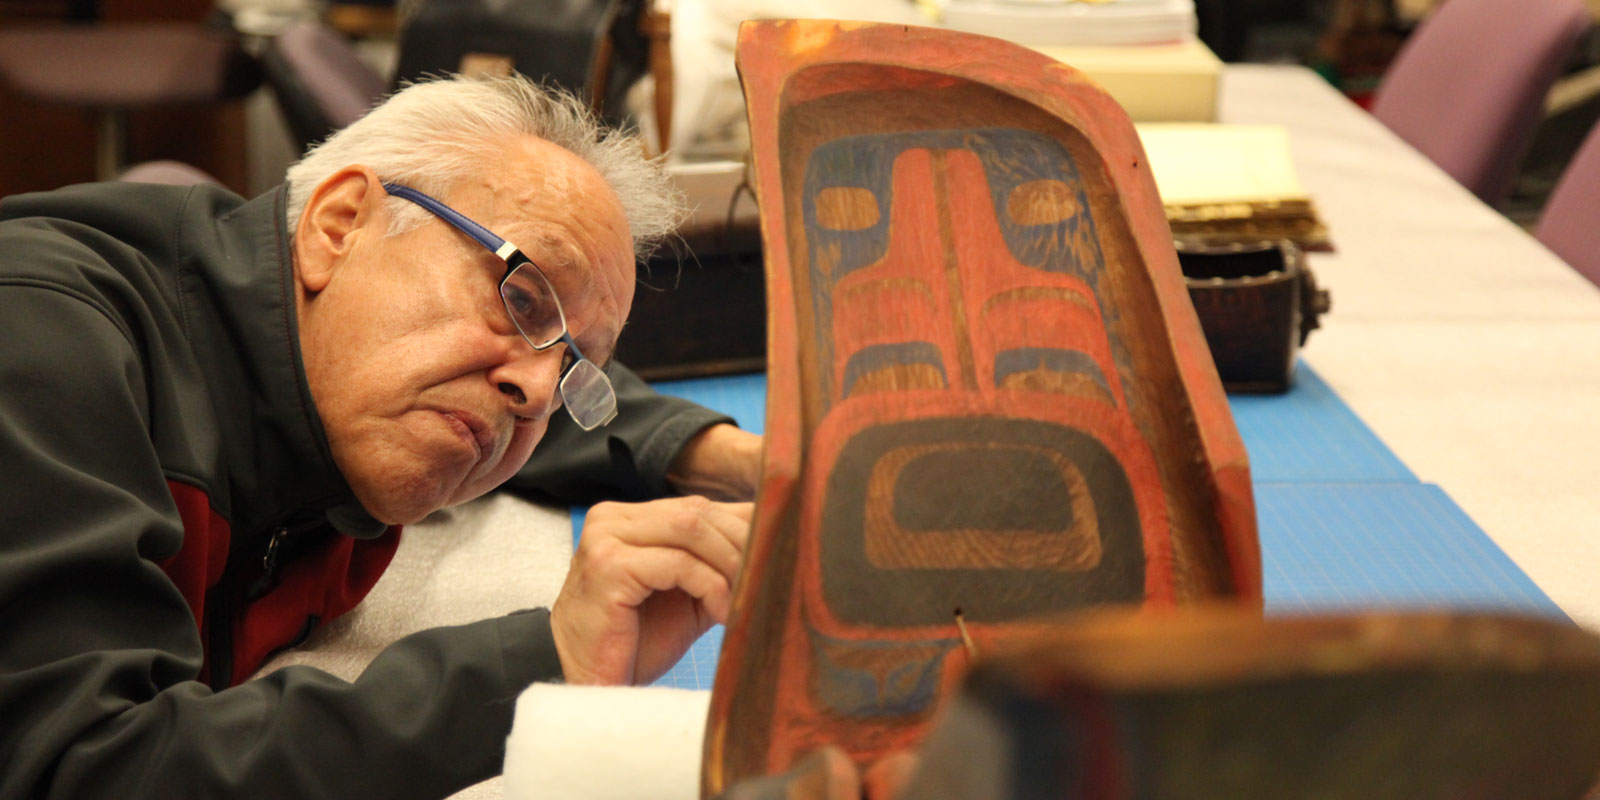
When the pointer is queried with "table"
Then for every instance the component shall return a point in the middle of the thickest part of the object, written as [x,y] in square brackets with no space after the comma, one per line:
[1466,346]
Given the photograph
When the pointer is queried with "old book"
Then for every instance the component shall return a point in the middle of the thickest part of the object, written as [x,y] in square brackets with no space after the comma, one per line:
[1173,81]
[1222,184]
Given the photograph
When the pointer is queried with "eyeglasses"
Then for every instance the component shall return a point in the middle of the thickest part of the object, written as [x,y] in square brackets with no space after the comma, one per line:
[531,302]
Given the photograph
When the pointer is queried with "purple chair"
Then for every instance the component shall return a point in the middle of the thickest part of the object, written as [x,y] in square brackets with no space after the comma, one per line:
[1570,223]
[1468,86]
[114,67]
[173,173]
[320,80]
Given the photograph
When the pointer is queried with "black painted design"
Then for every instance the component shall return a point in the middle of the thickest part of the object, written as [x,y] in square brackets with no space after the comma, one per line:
[962,479]
[852,584]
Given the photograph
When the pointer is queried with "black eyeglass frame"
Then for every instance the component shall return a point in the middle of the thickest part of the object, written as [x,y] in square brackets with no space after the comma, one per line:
[585,389]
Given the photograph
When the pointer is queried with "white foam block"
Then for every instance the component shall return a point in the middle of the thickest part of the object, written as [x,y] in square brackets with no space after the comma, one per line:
[605,743]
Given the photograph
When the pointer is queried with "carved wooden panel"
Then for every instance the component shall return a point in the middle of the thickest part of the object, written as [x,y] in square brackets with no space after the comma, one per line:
[1206,703]
[989,398]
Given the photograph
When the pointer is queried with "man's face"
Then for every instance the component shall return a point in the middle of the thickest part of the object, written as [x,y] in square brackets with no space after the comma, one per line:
[429,395]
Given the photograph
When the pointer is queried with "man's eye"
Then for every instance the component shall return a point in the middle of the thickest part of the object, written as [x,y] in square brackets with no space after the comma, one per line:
[527,303]
[522,302]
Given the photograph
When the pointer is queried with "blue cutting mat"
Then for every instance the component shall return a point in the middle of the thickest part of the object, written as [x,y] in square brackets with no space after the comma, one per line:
[1309,434]
[743,397]
[1334,547]
[698,667]
[1343,523]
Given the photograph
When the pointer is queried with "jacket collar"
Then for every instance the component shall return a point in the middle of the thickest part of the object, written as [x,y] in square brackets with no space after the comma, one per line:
[284,474]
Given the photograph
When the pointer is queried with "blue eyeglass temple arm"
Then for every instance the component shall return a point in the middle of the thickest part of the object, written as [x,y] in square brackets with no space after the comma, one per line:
[502,248]
[482,235]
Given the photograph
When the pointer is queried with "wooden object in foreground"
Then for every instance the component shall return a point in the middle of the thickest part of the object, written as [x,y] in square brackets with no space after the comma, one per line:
[989,396]
[1218,705]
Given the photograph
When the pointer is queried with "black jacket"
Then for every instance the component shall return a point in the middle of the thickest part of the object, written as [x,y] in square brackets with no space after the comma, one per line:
[170,515]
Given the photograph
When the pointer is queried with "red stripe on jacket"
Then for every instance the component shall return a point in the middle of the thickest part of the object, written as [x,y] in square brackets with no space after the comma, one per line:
[323,583]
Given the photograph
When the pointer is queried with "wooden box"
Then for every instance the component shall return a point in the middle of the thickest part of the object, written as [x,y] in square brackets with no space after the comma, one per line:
[1257,303]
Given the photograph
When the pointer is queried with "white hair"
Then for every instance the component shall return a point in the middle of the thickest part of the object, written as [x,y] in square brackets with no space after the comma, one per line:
[431,135]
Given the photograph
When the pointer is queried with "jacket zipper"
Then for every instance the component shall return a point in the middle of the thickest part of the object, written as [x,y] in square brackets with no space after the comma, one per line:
[269,562]
[219,624]
[221,604]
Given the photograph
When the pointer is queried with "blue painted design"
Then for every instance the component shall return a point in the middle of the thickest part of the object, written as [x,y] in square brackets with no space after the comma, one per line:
[864,162]
[906,688]
[861,162]
[1010,158]
[1024,359]
[879,356]
[1013,157]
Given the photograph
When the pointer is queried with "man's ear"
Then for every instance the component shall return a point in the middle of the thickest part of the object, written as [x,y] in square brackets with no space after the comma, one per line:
[341,209]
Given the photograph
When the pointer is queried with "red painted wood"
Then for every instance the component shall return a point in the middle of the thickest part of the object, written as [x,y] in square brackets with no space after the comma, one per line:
[988,390]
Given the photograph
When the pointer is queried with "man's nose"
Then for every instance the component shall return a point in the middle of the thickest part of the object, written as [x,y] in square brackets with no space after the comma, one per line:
[530,381]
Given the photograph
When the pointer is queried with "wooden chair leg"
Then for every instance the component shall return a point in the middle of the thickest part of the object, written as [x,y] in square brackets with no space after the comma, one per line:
[657,25]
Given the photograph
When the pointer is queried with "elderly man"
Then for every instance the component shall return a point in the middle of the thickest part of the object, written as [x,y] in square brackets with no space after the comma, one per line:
[215,414]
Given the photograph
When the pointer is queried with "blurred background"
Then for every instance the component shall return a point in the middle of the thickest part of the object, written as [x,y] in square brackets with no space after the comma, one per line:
[65,122]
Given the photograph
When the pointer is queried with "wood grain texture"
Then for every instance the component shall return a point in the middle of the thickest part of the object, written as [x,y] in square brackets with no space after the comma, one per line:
[1206,704]
[987,389]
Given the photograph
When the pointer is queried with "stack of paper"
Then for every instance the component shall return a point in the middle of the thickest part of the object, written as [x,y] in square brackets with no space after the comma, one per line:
[1144,52]
[1167,82]
[1223,184]
[1073,22]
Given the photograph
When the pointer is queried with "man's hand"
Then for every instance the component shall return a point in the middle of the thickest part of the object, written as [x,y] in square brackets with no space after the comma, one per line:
[721,462]
[646,581]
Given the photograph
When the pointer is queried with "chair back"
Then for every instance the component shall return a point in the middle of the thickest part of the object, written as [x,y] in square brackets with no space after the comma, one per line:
[1467,87]
[321,82]
[171,173]
[594,48]
[1570,223]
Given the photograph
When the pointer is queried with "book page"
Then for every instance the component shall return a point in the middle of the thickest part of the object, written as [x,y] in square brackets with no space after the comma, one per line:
[1202,164]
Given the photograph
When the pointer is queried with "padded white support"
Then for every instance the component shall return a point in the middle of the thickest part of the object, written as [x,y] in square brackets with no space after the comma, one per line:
[606,743]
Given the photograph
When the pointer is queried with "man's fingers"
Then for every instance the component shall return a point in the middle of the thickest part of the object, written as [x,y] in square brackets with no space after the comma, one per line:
[660,569]
[714,532]
[737,526]
[646,581]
